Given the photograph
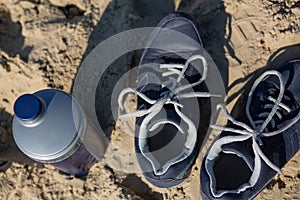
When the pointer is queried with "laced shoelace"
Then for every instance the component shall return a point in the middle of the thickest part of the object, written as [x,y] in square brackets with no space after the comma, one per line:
[258,128]
[168,97]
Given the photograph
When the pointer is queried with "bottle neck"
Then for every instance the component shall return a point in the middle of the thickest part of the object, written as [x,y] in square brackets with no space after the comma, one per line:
[38,119]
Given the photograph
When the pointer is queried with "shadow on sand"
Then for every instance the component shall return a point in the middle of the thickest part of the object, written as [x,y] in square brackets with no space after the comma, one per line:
[121,16]
[9,152]
[11,38]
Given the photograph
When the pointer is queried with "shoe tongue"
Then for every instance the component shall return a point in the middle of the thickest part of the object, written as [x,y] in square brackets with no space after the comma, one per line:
[263,91]
[233,168]
[271,88]
[164,139]
[241,149]
[193,68]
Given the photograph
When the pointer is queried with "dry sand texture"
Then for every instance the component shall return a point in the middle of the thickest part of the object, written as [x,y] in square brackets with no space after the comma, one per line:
[42,43]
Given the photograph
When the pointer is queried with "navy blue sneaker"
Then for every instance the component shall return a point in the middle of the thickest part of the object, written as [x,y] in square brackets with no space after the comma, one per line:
[256,144]
[170,124]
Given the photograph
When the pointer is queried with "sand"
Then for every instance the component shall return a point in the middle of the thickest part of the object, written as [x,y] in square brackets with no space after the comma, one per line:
[43,42]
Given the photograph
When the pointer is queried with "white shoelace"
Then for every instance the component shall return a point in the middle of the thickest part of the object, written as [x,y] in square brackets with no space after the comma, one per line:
[258,129]
[157,105]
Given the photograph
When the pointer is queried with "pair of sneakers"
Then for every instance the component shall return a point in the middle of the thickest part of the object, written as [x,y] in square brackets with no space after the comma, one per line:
[173,116]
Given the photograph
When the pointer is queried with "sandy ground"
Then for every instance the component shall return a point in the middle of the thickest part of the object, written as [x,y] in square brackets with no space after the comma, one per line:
[43,42]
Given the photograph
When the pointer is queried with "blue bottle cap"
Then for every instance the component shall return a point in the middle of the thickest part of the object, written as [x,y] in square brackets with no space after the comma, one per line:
[27,107]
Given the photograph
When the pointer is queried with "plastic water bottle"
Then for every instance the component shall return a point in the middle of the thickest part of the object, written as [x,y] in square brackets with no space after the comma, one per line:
[49,126]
